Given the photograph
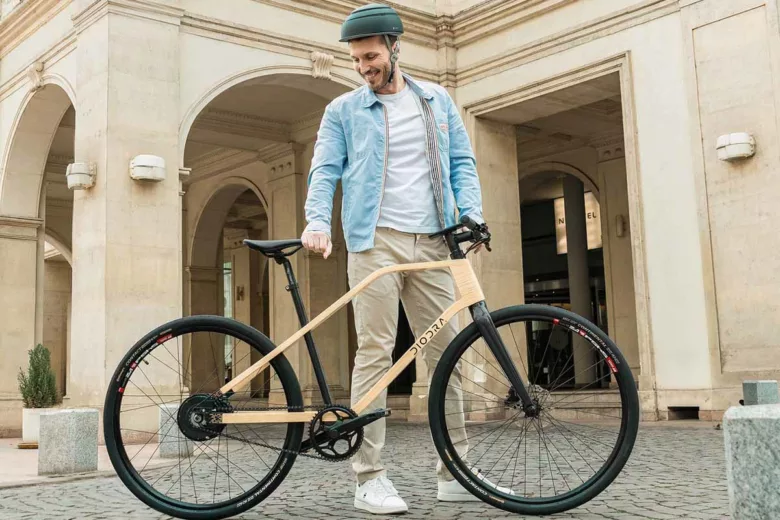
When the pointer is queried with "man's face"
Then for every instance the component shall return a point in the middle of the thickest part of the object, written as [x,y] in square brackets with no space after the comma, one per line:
[371,59]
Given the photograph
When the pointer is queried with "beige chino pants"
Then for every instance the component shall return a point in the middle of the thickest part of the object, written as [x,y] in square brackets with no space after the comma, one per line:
[425,296]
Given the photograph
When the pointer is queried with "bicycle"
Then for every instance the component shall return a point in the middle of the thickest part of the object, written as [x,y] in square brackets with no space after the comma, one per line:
[232,409]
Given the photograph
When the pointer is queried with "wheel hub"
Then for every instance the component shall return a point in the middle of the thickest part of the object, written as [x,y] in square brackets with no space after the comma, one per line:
[533,409]
[194,416]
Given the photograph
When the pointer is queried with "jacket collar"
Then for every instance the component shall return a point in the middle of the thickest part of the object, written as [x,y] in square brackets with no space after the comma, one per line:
[369,97]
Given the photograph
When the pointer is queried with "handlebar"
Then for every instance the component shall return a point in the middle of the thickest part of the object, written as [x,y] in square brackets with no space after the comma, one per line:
[477,234]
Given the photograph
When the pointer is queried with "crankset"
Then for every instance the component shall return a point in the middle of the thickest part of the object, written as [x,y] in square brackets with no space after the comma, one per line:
[336,432]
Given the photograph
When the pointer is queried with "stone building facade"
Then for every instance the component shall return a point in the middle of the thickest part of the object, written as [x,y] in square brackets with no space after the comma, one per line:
[624,100]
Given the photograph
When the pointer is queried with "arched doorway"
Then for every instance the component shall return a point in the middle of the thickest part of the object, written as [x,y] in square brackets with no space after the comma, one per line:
[563,265]
[36,210]
[258,135]
[225,278]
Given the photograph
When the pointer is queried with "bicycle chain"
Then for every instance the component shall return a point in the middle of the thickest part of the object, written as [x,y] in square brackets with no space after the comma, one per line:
[263,445]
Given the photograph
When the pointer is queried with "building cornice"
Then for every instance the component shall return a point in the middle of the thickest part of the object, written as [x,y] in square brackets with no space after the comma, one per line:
[8,220]
[419,26]
[494,16]
[436,31]
[25,20]
[19,228]
[578,35]
[144,9]
[277,42]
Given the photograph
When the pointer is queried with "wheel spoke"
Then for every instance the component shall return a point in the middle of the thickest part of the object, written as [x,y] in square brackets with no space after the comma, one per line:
[570,453]
[166,406]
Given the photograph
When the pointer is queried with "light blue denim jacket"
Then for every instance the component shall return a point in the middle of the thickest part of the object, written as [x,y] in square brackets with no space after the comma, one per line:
[352,147]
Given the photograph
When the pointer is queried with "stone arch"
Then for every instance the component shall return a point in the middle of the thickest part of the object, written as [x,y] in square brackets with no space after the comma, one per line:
[231,81]
[55,240]
[553,167]
[204,243]
[25,157]
[205,284]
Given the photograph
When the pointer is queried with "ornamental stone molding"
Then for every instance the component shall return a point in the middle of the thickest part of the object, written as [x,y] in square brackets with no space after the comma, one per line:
[321,64]
[35,75]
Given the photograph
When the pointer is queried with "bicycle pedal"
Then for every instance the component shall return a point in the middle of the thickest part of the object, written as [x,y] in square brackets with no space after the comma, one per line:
[380,412]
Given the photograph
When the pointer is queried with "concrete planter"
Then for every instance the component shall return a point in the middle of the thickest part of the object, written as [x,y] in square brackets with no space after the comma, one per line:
[31,423]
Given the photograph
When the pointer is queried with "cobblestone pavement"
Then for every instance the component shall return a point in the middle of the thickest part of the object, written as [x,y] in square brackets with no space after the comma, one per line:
[675,471]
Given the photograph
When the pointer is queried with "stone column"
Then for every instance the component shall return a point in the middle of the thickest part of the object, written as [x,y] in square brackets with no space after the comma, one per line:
[579,286]
[285,216]
[619,267]
[328,282]
[205,284]
[18,278]
[500,271]
[321,282]
[126,270]
[257,264]
[242,303]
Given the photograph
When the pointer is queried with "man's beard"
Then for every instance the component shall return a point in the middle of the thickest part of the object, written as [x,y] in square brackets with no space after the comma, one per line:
[379,79]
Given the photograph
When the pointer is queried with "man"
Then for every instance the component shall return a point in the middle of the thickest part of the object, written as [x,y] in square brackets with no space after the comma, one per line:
[405,162]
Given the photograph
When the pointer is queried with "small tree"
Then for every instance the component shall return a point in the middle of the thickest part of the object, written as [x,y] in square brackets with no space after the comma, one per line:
[38,387]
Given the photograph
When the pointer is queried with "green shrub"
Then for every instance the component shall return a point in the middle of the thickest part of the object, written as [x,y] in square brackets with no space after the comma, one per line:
[38,387]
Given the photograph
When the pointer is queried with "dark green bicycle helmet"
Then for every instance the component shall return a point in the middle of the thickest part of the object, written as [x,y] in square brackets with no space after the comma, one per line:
[371,20]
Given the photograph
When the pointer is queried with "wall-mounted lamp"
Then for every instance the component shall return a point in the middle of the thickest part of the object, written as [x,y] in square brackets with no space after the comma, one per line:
[736,146]
[80,176]
[147,168]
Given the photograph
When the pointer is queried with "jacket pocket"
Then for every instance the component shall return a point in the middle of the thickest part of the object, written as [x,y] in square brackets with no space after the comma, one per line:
[443,134]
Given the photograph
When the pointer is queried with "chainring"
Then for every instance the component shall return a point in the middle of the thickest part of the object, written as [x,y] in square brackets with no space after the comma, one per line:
[332,445]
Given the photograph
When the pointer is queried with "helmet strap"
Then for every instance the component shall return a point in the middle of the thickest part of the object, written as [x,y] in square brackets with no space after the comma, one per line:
[393,58]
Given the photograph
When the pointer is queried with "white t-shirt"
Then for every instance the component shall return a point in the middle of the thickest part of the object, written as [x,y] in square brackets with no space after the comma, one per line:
[408,204]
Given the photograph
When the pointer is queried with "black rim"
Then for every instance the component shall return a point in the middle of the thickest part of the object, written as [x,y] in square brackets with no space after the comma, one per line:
[627,392]
[132,362]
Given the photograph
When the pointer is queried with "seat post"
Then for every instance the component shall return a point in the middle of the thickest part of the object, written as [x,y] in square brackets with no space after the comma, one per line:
[292,287]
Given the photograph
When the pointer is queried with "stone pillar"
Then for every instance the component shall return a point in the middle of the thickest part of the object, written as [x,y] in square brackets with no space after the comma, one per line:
[500,271]
[286,198]
[619,268]
[126,269]
[205,284]
[579,286]
[321,282]
[328,282]
[18,277]
[257,265]
[242,303]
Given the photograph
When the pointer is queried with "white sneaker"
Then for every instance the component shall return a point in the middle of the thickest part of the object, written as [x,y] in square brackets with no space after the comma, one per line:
[379,496]
[453,491]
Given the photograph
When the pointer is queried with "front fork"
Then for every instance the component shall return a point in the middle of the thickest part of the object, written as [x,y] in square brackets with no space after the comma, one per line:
[481,316]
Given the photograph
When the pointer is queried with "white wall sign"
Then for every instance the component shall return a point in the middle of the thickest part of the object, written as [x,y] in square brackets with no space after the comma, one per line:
[592,223]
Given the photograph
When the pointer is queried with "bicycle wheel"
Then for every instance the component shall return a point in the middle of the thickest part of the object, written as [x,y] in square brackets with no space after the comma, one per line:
[563,456]
[153,430]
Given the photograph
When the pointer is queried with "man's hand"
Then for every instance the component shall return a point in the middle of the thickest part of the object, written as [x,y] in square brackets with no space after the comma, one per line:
[317,241]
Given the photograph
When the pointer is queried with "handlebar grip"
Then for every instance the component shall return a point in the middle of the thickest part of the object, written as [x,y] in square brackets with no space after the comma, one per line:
[468,222]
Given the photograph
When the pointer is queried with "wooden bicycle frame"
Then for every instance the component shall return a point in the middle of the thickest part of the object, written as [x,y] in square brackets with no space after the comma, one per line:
[470,293]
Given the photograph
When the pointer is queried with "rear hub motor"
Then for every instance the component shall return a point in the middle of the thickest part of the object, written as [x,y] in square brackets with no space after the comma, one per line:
[195,414]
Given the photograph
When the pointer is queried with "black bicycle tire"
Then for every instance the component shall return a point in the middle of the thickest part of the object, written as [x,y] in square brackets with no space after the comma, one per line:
[450,458]
[293,438]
